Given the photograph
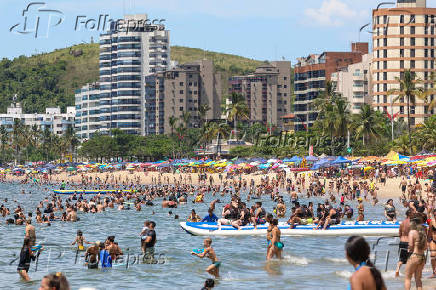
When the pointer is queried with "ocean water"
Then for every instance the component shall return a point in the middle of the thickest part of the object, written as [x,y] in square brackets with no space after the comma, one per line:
[309,263]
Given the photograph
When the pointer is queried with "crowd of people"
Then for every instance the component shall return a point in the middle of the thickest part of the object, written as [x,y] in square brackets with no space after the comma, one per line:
[338,192]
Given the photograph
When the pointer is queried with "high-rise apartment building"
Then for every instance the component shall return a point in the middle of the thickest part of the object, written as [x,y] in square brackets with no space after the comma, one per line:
[267,92]
[127,55]
[354,83]
[312,73]
[403,39]
[181,90]
[87,100]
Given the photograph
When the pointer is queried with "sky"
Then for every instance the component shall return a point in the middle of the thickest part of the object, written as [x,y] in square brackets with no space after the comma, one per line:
[258,29]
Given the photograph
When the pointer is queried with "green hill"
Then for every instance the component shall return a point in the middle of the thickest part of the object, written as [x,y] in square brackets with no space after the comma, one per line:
[49,79]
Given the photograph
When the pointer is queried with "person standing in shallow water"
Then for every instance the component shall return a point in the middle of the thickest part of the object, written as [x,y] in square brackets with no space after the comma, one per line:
[276,247]
[366,276]
[209,252]
[26,256]
[417,246]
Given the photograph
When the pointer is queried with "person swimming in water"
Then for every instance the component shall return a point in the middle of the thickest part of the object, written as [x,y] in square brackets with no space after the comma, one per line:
[209,252]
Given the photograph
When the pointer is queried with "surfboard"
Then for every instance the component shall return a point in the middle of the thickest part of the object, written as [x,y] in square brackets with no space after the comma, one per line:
[346,228]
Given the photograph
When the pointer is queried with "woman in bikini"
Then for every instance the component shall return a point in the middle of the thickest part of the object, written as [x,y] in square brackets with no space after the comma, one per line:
[417,246]
[432,243]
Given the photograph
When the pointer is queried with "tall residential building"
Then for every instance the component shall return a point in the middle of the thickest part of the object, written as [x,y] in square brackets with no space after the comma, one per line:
[53,119]
[267,92]
[312,73]
[177,91]
[354,83]
[126,58]
[403,39]
[87,100]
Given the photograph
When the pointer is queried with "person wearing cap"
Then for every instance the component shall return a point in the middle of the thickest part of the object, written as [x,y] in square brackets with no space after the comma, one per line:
[92,256]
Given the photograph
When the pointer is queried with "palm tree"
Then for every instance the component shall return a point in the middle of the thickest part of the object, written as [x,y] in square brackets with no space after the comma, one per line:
[425,134]
[172,120]
[202,111]
[4,138]
[409,90]
[220,130]
[366,124]
[186,117]
[402,145]
[17,140]
[237,110]
[342,117]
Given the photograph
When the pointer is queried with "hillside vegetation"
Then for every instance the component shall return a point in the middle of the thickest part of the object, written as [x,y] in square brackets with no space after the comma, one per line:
[49,79]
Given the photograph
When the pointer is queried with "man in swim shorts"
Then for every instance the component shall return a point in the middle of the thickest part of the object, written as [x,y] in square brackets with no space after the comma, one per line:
[92,256]
[209,252]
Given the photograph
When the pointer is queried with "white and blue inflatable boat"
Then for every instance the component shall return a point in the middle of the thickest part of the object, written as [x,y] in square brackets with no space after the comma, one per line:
[346,228]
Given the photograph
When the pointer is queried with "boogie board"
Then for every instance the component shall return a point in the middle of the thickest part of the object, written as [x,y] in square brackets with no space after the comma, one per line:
[347,228]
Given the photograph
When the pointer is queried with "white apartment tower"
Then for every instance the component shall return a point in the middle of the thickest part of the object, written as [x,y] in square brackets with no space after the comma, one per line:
[129,51]
[403,39]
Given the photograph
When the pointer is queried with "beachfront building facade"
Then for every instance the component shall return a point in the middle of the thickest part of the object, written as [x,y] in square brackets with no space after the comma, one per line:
[311,75]
[179,93]
[267,92]
[126,58]
[403,39]
[354,83]
[53,119]
[87,100]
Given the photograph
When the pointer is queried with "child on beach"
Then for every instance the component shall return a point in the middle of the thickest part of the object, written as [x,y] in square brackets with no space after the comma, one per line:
[209,252]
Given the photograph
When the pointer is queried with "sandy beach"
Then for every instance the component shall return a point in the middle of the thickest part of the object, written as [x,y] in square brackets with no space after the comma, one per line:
[390,190]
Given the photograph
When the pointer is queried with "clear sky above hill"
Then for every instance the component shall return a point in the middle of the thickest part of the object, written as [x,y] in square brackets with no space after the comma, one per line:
[259,29]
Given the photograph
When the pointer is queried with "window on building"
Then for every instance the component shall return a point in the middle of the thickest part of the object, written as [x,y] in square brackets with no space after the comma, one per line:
[401,63]
[401,29]
[180,100]
[385,41]
[181,109]
[385,65]
[181,92]
[412,29]
[412,64]
[181,83]
[401,52]
[412,53]
[401,18]
[412,41]
[412,18]
[402,41]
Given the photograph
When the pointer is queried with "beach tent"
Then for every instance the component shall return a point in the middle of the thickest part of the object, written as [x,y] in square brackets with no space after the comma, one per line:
[311,158]
[321,164]
[341,160]
[294,159]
